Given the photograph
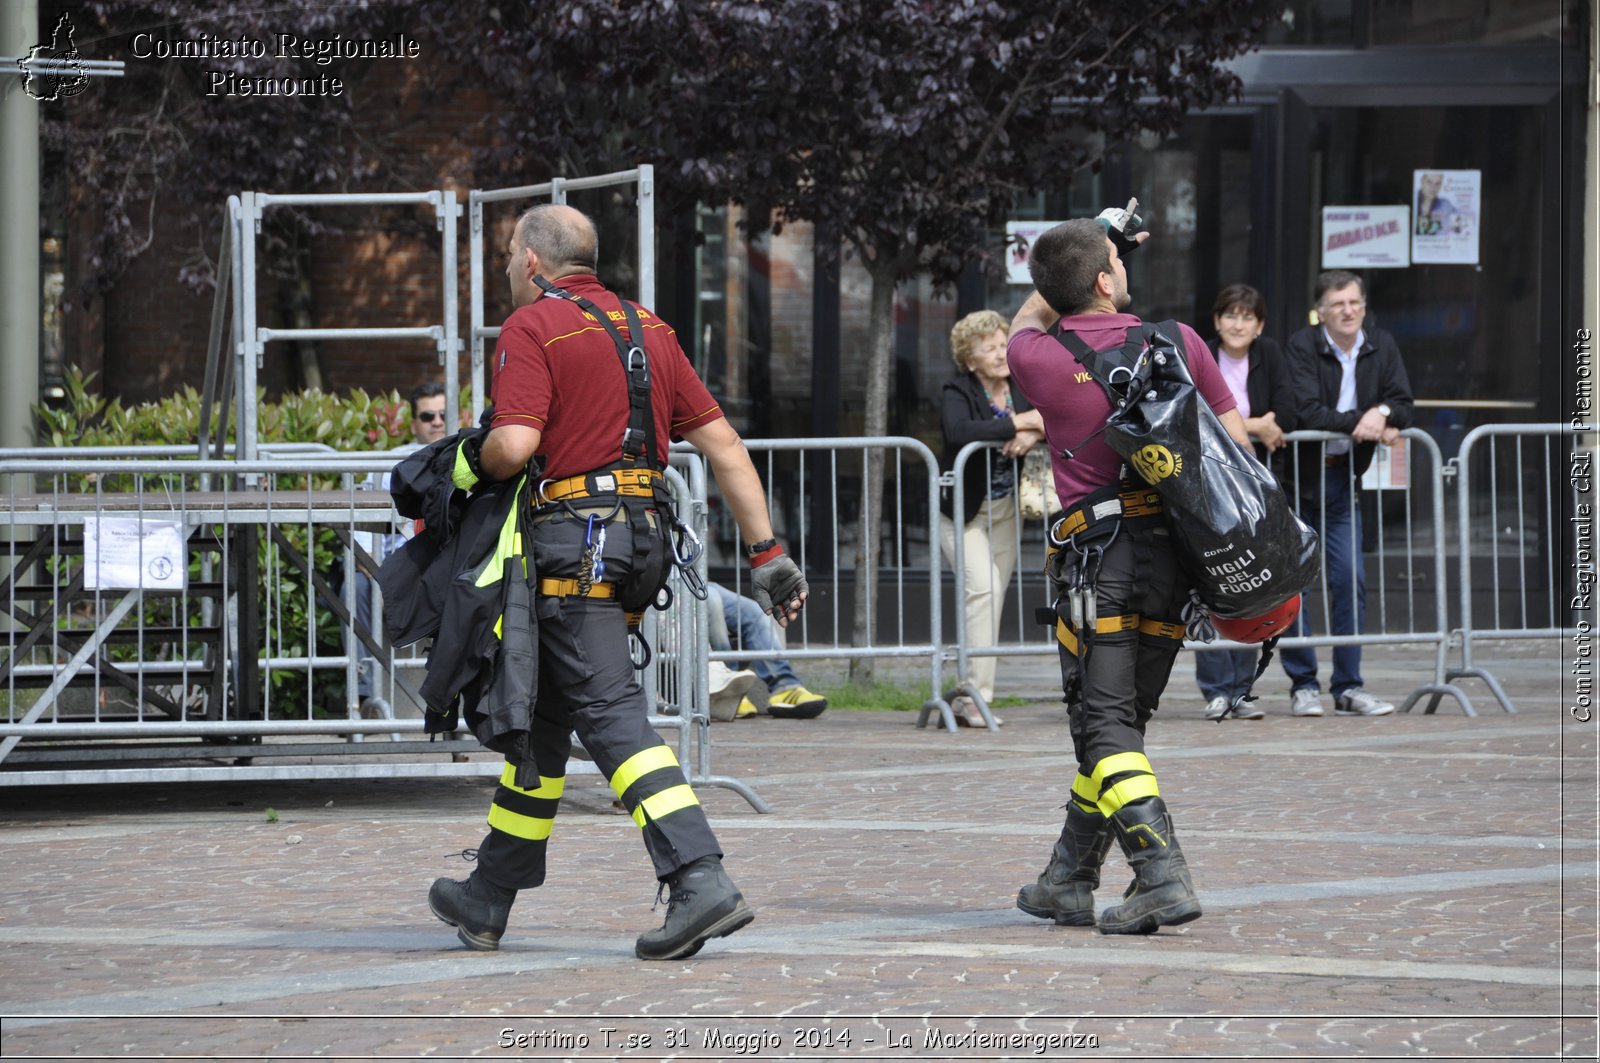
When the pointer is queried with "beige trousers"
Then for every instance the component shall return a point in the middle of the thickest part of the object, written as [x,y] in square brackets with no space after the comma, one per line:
[989,545]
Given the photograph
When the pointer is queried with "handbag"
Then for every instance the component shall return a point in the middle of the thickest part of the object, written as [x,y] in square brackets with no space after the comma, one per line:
[1036,486]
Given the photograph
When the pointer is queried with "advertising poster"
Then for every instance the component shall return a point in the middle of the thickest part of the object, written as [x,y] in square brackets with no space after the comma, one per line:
[1365,237]
[1020,236]
[1445,226]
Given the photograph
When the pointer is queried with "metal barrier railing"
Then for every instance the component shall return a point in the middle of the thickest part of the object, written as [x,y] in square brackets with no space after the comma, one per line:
[1015,528]
[1402,562]
[1414,619]
[1522,540]
[202,657]
[819,529]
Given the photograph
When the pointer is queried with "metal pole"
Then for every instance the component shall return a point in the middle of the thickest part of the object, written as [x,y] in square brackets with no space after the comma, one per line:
[647,236]
[19,233]
[475,297]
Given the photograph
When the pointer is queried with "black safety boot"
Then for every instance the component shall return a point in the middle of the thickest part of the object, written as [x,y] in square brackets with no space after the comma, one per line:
[1162,893]
[1065,891]
[477,908]
[703,904]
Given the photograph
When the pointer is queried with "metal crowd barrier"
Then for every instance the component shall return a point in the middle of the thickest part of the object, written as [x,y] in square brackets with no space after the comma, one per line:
[1021,534]
[1406,577]
[156,673]
[820,524]
[1402,569]
[1525,540]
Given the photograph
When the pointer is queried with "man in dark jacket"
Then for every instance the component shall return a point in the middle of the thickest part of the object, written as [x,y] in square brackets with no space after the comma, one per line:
[1350,380]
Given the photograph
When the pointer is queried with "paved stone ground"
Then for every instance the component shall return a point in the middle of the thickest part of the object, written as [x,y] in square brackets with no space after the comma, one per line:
[1412,886]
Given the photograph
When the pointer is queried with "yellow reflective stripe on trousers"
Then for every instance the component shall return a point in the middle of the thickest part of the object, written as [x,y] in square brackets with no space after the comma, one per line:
[1086,790]
[533,828]
[641,764]
[548,787]
[660,806]
[1115,764]
[1127,792]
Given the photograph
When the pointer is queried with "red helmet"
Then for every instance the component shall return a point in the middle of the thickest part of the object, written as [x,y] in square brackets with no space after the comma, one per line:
[1258,628]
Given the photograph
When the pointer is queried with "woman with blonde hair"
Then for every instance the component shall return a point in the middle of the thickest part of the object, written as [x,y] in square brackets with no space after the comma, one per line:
[978,403]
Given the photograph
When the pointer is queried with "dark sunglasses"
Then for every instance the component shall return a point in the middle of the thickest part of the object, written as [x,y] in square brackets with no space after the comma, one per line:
[429,416]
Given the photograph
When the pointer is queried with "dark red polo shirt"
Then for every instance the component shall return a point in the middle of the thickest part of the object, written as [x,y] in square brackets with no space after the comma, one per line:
[557,370]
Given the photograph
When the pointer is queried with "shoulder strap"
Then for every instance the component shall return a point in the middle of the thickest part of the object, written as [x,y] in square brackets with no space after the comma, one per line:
[639,437]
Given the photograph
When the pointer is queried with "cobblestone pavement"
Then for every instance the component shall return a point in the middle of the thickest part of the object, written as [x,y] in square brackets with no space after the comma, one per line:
[1415,885]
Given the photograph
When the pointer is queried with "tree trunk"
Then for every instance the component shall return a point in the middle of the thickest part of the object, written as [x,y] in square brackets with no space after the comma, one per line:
[880,339]
[300,302]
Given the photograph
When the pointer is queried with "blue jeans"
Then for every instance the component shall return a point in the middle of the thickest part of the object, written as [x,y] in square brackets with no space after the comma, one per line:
[1225,673]
[1330,509]
[744,616]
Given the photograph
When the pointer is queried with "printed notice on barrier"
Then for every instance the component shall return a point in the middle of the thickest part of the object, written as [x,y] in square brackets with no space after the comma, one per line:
[1390,469]
[122,553]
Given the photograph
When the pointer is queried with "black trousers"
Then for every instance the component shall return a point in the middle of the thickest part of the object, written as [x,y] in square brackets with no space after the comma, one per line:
[587,684]
[1116,686]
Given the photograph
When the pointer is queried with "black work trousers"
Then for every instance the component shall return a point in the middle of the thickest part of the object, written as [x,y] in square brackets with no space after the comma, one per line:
[587,684]
[1115,687]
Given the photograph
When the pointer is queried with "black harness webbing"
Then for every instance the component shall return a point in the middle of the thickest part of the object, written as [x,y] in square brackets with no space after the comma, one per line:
[639,437]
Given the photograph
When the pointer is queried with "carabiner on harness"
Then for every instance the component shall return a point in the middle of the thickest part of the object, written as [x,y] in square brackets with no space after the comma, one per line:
[686,550]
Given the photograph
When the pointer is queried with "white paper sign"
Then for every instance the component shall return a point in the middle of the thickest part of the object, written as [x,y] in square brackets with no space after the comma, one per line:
[1366,237]
[1020,236]
[122,553]
[1447,215]
[1390,469]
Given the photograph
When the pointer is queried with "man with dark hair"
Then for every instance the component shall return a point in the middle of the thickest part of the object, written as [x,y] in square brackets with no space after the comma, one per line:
[1347,379]
[1117,655]
[590,388]
[428,421]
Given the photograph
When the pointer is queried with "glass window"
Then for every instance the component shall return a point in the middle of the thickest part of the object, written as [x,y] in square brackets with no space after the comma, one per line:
[1469,333]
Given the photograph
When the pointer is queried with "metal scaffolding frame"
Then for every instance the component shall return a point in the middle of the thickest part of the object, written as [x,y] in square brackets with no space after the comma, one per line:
[556,190]
[236,290]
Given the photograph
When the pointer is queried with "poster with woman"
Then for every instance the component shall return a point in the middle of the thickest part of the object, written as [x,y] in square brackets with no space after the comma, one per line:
[1444,219]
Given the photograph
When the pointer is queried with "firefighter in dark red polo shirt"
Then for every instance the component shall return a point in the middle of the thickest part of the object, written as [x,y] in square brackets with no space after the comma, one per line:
[577,373]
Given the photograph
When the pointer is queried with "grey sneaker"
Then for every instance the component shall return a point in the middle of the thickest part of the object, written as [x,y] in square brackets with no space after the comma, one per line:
[1307,702]
[1249,710]
[1216,708]
[1357,702]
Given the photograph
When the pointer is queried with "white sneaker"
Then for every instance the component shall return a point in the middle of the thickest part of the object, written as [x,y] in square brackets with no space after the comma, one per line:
[1307,702]
[727,687]
[1357,702]
[1249,710]
[1216,708]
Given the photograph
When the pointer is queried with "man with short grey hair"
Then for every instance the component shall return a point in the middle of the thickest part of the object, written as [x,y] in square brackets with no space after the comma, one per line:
[1350,379]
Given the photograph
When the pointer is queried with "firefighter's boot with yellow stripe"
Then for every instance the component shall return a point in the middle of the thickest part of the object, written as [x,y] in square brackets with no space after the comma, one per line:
[1162,894]
[702,904]
[1065,890]
[476,907]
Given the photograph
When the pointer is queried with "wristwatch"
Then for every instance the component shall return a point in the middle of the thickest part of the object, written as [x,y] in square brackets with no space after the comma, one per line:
[1385,409]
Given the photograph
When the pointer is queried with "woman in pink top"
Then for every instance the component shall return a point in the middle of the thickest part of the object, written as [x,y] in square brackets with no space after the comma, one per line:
[1253,366]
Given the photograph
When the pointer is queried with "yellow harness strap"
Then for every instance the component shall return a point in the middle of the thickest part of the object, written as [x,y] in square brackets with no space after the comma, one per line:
[568,588]
[636,482]
[1107,625]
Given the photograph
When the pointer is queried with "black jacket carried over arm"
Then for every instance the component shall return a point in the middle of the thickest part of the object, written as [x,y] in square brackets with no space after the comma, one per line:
[1315,374]
[967,417]
[457,589]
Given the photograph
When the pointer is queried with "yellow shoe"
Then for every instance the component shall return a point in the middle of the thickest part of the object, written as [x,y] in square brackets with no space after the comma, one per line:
[796,703]
[746,708]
